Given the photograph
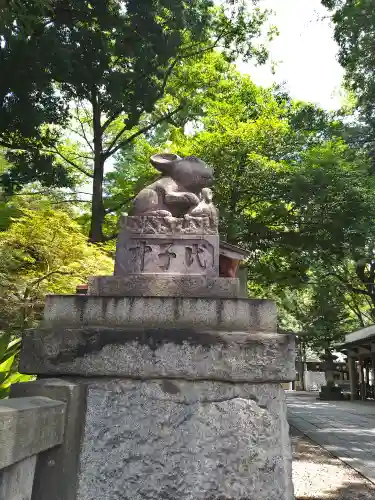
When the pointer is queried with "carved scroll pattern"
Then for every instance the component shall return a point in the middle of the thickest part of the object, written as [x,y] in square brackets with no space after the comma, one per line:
[171,225]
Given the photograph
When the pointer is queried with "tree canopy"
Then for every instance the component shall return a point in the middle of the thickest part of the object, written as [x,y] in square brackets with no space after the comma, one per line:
[111,60]
[42,251]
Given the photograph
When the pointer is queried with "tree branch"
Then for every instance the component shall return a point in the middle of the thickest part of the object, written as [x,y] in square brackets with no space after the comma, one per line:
[83,130]
[205,49]
[72,163]
[350,287]
[109,152]
[167,75]
[355,309]
[39,280]
[69,201]
[120,134]
[54,151]
[8,145]
[74,131]
[109,120]
[164,84]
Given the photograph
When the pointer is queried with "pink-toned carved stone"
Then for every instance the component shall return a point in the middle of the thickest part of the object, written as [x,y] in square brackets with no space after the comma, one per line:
[177,192]
[151,224]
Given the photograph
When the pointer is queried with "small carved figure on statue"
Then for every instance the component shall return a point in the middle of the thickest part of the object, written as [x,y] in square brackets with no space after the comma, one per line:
[176,193]
[205,207]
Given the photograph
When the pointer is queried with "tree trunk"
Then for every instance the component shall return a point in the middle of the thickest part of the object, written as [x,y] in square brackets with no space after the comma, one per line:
[97,206]
[301,364]
[329,368]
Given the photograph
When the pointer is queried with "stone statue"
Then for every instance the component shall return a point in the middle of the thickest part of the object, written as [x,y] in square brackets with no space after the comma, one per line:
[177,192]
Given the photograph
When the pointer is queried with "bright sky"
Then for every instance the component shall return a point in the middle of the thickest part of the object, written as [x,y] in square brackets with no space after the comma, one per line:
[306,52]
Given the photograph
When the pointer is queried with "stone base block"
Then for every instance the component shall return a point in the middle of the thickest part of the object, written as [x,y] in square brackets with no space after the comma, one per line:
[161,312]
[56,476]
[169,440]
[156,285]
[153,353]
[16,480]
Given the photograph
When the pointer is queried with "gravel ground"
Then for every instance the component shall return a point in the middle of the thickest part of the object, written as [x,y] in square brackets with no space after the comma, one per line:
[317,475]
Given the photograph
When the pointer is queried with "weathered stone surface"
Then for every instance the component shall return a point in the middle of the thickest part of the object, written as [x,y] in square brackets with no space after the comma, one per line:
[167,226]
[242,276]
[169,440]
[150,285]
[161,312]
[153,353]
[16,481]
[29,426]
[184,254]
[56,474]
[177,192]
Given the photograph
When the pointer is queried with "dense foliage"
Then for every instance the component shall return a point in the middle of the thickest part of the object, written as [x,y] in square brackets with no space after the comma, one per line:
[42,251]
[101,68]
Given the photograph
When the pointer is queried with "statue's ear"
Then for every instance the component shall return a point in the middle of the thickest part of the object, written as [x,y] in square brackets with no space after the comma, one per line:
[164,162]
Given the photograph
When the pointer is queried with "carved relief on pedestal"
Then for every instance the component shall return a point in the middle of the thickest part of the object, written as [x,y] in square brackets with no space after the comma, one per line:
[170,225]
[197,254]
[166,256]
[139,252]
[159,255]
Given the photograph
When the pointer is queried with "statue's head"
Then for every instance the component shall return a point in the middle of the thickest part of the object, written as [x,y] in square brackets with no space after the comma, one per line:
[207,195]
[191,172]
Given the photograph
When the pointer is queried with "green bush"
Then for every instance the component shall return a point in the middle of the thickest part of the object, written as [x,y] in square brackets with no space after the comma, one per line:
[9,351]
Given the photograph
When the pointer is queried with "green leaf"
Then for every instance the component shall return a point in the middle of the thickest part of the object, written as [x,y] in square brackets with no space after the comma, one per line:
[6,365]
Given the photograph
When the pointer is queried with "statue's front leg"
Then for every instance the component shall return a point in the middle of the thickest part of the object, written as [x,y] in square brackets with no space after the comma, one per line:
[178,197]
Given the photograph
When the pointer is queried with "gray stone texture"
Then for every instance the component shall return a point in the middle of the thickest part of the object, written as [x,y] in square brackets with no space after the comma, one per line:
[242,276]
[152,353]
[169,440]
[56,474]
[16,481]
[28,426]
[150,285]
[167,226]
[181,254]
[177,192]
[161,312]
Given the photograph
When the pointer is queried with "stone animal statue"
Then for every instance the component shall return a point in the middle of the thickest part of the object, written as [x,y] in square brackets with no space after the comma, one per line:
[177,192]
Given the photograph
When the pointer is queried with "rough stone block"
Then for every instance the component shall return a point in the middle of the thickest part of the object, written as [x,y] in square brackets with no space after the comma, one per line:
[28,426]
[169,440]
[161,312]
[150,353]
[16,481]
[150,285]
[56,474]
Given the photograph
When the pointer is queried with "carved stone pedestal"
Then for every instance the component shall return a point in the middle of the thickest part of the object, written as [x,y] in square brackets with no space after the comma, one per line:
[167,246]
[172,381]
[182,397]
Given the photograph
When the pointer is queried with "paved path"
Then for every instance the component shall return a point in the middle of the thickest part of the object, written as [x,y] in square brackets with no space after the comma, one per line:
[346,429]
